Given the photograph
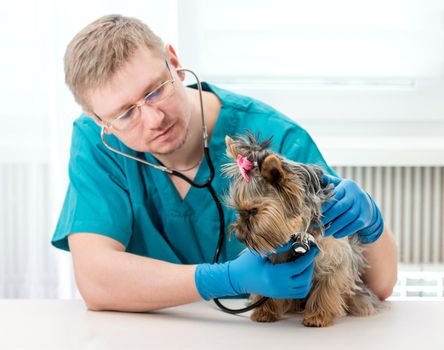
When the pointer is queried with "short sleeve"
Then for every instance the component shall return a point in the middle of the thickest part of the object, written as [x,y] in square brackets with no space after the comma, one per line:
[97,200]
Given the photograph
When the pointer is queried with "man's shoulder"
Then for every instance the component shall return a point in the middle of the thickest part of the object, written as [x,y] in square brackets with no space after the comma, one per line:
[248,113]
[252,110]
[257,114]
[87,146]
[86,134]
[84,124]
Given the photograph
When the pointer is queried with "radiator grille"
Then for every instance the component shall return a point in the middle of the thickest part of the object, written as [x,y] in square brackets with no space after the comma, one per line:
[412,202]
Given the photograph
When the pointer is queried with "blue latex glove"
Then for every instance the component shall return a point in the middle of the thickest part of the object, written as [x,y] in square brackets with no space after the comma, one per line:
[252,273]
[351,210]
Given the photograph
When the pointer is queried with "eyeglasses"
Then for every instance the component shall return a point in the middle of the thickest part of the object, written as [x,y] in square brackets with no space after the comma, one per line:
[132,115]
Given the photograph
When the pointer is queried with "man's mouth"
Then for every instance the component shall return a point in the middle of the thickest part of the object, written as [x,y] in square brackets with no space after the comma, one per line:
[165,132]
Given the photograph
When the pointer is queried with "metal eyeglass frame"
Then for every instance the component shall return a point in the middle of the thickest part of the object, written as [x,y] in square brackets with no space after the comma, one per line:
[146,100]
[108,125]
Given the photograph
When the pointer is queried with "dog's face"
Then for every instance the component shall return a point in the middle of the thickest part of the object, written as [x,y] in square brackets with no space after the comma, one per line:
[274,197]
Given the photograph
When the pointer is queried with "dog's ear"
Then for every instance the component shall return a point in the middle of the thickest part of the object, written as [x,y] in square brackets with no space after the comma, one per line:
[272,170]
[231,148]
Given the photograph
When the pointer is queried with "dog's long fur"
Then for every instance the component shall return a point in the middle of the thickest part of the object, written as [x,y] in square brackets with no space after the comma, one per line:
[283,197]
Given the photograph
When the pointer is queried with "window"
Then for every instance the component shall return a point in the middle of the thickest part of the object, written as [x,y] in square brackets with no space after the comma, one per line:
[347,60]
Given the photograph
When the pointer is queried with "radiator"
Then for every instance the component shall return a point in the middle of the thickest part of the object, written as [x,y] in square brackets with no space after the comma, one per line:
[412,202]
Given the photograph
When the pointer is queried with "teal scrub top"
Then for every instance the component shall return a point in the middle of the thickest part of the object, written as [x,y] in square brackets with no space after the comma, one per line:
[138,205]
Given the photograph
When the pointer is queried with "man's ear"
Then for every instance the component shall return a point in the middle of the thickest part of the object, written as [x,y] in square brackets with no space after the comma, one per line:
[231,149]
[272,170]
[172,58]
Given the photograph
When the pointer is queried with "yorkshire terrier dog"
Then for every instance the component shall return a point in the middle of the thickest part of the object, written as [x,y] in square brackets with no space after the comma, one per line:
[277,201]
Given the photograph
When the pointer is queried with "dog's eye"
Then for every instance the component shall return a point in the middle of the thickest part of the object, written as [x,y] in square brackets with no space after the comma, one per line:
[252,211]
[247,213]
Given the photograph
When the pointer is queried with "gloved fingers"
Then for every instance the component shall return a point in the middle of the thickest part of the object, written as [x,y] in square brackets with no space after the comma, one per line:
[347,230]
[330,179]
[375,228]
[343,221]
[281,249]
[336,210]
[339,193]
[305,261]
[377,219]
[287,285]
[257,255]
[374,235]
[291,270]
[302,292]
[303,283]
[304,277]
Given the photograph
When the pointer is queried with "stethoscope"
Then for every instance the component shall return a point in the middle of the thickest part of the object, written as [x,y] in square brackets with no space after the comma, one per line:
[204,184]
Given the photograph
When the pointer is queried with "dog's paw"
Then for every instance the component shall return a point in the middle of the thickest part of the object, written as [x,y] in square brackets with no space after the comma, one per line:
[263,316]
[317,321]
[359,305]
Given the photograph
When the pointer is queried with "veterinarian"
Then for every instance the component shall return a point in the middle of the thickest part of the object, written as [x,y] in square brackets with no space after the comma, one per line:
[142,238]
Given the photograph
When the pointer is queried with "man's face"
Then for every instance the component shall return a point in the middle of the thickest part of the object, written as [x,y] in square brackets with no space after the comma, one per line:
[161,128]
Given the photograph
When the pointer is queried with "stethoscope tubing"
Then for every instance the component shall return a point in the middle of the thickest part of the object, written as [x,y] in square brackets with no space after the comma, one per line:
[204,184]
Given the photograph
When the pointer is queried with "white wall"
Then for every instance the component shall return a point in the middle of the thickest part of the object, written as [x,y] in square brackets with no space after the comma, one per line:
[36,116]
[357,74]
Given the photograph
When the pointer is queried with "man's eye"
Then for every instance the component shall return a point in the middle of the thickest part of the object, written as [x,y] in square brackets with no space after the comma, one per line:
[152,96]
[128,114]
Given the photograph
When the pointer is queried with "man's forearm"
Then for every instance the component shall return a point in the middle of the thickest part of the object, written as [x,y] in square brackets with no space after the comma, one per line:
[381,256]
[122,281]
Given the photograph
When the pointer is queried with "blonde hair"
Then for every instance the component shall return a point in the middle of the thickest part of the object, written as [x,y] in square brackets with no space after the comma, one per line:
[96,53]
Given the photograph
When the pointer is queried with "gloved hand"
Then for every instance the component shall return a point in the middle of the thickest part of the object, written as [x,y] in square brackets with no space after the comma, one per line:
[252,273]
[351,210]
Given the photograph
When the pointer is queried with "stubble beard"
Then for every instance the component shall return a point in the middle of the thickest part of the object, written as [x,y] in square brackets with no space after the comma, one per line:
[179,146]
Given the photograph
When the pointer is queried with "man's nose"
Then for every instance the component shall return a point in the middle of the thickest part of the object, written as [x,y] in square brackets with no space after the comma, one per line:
[151,116]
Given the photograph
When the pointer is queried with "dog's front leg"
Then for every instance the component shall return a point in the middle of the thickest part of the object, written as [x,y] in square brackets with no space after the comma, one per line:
[270,311]
[333,280]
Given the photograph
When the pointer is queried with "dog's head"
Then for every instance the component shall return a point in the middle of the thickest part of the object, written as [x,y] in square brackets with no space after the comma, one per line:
[274,197]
